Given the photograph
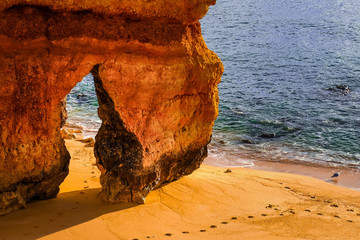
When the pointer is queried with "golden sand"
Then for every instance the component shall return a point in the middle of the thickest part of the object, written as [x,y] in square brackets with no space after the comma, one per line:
[209,204]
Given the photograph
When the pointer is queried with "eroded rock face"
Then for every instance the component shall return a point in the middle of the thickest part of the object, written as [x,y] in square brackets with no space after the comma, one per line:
[155,79]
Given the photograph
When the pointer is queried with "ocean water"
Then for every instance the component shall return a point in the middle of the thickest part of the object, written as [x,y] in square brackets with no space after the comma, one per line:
[280,58]
[82,105]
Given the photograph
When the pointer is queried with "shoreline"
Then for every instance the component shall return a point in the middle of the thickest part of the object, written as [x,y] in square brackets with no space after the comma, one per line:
[348,178]
[208,204]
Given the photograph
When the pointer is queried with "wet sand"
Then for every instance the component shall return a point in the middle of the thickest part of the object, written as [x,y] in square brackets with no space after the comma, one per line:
[349,178]
[208,204]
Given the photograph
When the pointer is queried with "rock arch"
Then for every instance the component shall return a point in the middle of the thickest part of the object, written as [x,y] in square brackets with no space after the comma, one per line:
[155,79]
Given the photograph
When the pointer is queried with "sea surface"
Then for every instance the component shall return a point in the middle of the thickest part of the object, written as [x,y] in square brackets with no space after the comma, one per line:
[281,57]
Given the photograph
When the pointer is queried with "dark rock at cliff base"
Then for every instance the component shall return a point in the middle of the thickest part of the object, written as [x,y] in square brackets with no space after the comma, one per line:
[63,113]
[268,135]
[221,142]
[340,88]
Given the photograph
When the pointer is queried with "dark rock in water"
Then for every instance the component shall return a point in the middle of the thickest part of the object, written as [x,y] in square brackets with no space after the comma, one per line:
[221,142]
[343,89]
[247,141]
[81,96]
[228,171]
[268,135]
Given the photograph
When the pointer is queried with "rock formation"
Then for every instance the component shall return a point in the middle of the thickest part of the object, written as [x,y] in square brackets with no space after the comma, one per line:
[155,79]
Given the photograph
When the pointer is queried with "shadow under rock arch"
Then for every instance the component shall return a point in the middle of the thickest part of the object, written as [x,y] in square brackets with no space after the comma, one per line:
[42,218]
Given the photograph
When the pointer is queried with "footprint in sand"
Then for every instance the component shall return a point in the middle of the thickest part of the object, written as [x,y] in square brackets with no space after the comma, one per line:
[264,215]
[350,210]
[81,192]
[250,216]
[358,214]
[92,172]
[307,210]
[202,230]
[224,222]
[287,187]
[85,181]
[334,205]
[319,214]
[185,232]
[233,218]
[36,227]
[86,187]
[350,221]
[135,239]
[336,216]
[213,226]
[51,220]
[168,234]
[270,206]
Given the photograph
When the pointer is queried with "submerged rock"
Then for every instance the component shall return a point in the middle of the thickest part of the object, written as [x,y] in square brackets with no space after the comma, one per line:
[268,135]
[247,141]
[155,79]
[342,88]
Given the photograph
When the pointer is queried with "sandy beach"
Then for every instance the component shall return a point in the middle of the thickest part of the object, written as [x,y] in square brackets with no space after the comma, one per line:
[208,204]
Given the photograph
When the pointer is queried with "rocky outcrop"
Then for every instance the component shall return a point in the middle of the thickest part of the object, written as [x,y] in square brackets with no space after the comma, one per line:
[155,79]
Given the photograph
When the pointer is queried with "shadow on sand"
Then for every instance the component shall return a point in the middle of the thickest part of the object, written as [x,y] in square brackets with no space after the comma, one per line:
[42,218]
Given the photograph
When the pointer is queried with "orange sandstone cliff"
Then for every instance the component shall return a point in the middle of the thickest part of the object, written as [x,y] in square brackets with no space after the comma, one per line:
[155,79]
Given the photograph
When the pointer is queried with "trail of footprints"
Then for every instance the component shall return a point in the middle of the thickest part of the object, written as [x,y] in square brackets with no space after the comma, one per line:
[277,211]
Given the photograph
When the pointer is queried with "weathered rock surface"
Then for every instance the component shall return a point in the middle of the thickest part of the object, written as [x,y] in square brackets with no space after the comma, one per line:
[155,79]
